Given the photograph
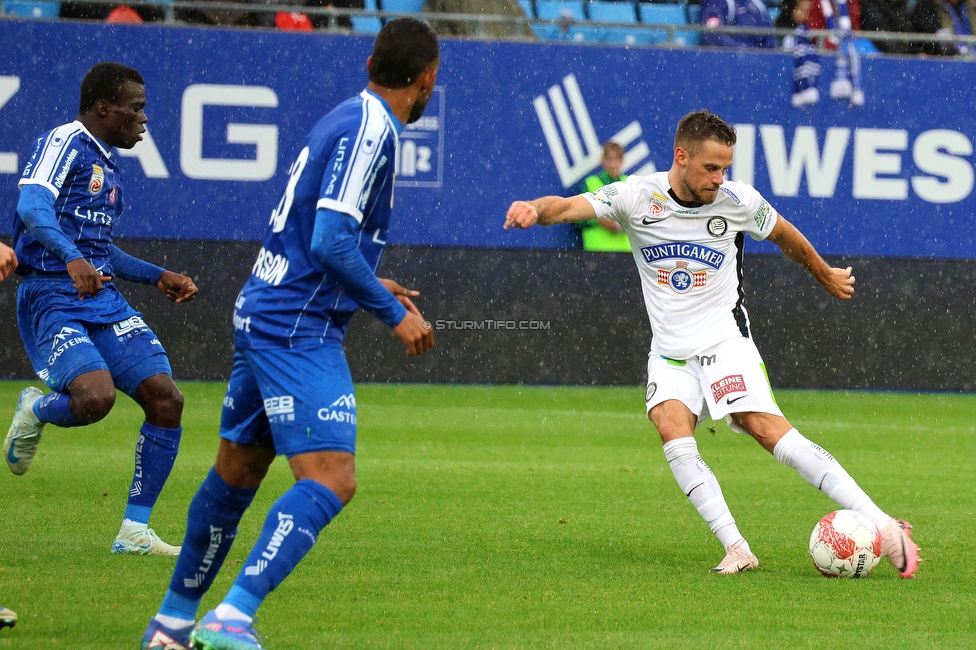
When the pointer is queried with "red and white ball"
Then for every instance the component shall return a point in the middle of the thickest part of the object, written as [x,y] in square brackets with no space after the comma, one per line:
[845,544]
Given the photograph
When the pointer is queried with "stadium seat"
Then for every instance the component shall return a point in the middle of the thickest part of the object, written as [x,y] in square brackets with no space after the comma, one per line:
[367,24]
[28,9]
[403,6]
[602,11]
[864,46]
[556,9]
[617,12]
[666,14]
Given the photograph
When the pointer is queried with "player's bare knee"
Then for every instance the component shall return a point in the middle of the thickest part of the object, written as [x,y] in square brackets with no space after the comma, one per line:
[91,406]
[167,406]
[344,486]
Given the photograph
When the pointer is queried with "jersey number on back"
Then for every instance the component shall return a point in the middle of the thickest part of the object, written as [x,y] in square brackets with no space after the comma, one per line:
[280,214]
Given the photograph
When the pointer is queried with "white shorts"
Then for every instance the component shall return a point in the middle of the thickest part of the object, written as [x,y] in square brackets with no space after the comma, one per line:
[727,378]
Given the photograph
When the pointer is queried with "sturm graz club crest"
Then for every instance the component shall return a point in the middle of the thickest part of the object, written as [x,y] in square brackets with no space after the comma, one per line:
[717,226]
[680,279]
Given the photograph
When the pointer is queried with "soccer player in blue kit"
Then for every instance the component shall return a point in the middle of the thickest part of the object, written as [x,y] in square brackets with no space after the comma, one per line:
[82,337]
[290,390]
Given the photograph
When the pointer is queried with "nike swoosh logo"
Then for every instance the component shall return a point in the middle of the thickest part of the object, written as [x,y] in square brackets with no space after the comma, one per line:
[730,400]
[648,222]
[10,455]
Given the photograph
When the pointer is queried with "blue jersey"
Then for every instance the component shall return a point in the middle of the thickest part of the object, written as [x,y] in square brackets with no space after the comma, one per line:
[347,166]
[84,178]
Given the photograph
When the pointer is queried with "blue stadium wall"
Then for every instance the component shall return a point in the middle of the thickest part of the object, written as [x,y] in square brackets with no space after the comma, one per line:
[887,188]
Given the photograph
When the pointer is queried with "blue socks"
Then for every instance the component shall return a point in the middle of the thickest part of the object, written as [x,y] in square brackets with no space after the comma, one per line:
[156,452]
[211,527]
[53,408]
[290,530]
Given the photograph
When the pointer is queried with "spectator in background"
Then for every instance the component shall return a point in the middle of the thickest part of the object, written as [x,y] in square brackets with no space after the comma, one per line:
[111,12]
[806,63]
[948,17]
[740,13]
[328,22]
[816,20]
[495,30]
[605,235]
[889,16]
[224,17]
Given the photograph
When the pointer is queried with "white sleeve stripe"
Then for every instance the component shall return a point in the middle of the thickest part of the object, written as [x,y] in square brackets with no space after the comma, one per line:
[41,182]
[50,160]
[376,126]
[355,150]
[345,208]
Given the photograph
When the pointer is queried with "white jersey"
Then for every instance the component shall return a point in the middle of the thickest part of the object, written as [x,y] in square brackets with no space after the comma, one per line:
[689,257]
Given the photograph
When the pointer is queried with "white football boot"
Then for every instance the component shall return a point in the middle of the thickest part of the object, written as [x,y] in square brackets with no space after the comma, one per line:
[736,560]
[140,539]
[24,433]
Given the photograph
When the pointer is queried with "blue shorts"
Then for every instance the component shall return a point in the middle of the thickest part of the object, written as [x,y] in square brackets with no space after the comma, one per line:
[66,337]
[292,401]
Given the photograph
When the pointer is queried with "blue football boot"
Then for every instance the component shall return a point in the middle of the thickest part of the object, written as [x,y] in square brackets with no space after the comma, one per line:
[211,633]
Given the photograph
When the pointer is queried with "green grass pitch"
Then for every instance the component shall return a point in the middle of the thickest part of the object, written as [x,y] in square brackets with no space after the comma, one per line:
[518,517]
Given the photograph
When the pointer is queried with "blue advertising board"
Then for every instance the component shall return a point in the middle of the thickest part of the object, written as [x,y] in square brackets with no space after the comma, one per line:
[228,111]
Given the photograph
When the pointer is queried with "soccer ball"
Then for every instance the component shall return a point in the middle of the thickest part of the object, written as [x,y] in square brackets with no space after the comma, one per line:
[845,544]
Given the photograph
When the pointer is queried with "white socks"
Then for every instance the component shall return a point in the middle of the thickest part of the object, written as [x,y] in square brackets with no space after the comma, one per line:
[819,469]
[229,612]
[701,487]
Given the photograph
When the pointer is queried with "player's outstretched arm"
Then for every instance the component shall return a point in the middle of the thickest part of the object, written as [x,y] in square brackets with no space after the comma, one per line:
[836,281]
[8,261]
[549,210]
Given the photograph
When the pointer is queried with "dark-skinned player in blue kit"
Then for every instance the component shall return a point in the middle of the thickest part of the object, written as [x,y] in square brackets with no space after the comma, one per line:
[290,391]
[82,337]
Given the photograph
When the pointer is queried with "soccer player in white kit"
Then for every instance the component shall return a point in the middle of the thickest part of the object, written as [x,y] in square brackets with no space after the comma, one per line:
[687,228]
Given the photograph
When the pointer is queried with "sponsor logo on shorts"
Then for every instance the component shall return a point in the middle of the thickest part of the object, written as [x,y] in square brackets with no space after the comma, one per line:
[728,385]
[651,389]
[706,360]
[341,410]
[65,334]
[113,194]
[97,180]
[280,408]
[126,329]
[63,340]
